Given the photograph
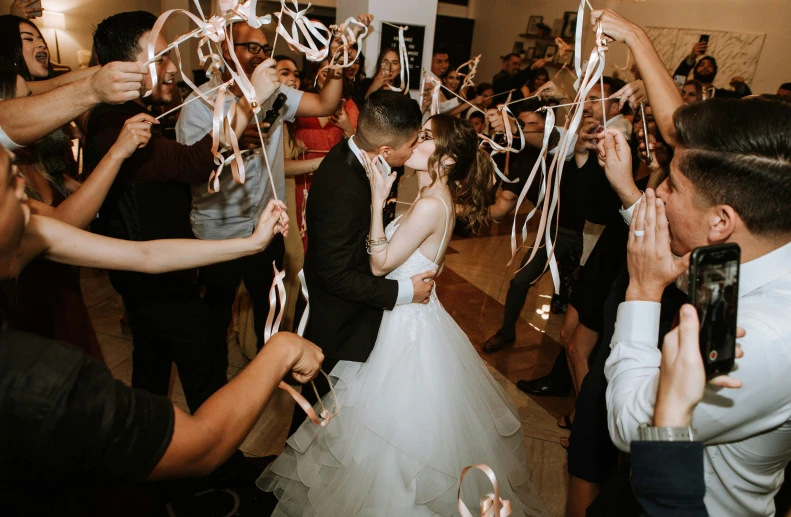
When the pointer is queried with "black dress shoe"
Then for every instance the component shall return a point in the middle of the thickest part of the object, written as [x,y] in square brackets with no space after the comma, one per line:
[497,342]
[543,386]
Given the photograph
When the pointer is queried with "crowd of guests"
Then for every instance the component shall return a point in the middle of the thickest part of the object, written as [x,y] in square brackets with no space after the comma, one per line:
[178,253]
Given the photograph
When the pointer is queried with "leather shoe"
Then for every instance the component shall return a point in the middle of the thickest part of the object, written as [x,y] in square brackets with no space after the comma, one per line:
[543,387]
[497,342]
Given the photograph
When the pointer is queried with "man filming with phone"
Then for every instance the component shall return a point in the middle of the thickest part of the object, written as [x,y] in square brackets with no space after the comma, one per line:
[728,184]
[235,209]
[705,71]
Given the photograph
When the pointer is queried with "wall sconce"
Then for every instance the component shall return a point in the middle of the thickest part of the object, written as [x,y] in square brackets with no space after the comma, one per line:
[56,22]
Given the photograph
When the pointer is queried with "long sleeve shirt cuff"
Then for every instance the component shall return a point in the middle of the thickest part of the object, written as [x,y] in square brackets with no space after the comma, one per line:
[627,213]
[637,322]
[405,292]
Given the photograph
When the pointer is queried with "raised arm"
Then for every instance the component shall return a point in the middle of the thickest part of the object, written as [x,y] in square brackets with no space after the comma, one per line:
[661,90]
[80,208]
[60,242]
[39,87]
[203,441]
[27,119]
[324,103]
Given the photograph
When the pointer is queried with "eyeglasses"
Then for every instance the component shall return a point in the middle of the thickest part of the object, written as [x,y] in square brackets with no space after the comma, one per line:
[424,135]
[256,48]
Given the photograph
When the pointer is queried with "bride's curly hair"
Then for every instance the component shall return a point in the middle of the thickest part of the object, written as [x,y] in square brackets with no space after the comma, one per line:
[470,178]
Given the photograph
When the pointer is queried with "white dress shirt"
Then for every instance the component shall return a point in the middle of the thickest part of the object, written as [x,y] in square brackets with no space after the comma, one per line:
[406,291]
[6,141]
[747,432]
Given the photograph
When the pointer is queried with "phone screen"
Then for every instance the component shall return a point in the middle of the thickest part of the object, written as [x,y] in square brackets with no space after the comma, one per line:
[714,291]
[704,38]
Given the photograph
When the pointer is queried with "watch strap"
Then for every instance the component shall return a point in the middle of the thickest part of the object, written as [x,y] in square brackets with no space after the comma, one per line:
[649,433]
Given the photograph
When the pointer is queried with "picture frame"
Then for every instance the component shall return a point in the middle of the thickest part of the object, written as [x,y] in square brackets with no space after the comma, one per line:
[530,52]
[550,52]
[540,50]
[532,25]
[519,47]
[569,29]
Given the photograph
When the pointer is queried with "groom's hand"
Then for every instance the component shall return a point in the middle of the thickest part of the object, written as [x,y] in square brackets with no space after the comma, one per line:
[422,285]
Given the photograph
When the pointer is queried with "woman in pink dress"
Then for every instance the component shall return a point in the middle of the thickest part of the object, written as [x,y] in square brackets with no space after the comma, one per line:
[320,134]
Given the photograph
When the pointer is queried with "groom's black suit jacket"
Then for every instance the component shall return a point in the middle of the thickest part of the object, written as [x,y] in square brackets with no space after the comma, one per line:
[346,299]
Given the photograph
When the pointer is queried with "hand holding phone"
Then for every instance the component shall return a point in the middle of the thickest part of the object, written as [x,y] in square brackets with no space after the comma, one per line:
[714,291]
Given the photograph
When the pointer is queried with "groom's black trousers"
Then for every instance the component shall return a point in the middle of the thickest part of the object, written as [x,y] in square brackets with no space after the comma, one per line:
[322,386]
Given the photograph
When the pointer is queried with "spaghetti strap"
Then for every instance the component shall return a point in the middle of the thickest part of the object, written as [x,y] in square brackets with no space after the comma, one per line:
[445,233]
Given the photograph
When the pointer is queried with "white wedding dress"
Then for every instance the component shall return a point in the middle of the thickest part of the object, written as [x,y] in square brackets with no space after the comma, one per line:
[420,409]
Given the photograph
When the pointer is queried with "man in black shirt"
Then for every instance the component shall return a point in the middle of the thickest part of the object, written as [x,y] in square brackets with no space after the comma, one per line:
[66,421]
[705,71]
[569,226]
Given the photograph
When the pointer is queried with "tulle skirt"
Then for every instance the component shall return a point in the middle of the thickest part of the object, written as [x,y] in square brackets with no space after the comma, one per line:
[420,409]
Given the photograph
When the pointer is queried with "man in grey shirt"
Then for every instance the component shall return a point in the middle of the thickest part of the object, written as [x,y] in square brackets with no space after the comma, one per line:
[235,209]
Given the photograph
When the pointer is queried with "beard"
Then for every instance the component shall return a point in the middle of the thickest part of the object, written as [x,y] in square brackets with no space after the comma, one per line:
[704,78]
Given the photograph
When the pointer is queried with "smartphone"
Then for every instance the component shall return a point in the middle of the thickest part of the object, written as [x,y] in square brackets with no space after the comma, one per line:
[648,157]
[386,67]
[714,291]
[680,80]
[704,38]
[382,166]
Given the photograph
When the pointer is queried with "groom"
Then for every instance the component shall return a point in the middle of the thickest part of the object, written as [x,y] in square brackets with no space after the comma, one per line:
[346,300]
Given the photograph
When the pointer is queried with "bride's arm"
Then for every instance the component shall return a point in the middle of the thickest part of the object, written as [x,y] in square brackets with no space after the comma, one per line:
[63,243]
[411,234]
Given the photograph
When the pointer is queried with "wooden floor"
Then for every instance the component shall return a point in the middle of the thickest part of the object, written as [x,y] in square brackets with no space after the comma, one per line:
[472,287]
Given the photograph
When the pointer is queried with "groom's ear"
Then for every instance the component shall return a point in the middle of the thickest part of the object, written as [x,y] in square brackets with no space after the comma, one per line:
[385,151]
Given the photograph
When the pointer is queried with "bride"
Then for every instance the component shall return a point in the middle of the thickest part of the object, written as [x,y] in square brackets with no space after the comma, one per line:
[424,405]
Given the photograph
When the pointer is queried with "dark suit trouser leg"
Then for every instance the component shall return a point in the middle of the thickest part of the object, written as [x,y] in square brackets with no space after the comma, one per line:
[322,386]
[525,278]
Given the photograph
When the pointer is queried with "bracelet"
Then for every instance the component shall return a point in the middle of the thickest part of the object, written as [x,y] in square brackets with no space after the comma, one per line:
[368,250]
[376,242]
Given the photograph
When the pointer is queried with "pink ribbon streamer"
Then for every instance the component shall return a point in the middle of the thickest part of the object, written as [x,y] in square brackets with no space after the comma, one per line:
[277,293]
[472,69]
[593,75]
[403,56]
[492,503]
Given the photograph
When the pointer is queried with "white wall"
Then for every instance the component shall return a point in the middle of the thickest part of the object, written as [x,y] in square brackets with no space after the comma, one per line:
[498,23]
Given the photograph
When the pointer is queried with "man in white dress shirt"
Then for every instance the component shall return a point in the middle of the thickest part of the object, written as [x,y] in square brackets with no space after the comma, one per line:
[729,182]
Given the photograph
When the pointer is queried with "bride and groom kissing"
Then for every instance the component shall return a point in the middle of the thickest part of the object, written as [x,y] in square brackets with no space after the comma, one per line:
[416,403]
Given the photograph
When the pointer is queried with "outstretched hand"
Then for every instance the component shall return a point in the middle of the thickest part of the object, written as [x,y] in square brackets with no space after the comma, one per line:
[652,265]
[682,377]
[615,157]
[273,220]
[134,135]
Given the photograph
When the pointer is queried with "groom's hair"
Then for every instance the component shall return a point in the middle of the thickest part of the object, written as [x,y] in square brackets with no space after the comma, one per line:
[387,118]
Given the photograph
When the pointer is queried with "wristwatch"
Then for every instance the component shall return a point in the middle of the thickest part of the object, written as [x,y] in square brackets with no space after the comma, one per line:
[649,433]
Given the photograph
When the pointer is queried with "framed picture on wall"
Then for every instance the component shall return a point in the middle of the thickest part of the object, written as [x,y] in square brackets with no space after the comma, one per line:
[569,29]
[519,47]
[530,53]
[532,25]
[551,52]
[540,50]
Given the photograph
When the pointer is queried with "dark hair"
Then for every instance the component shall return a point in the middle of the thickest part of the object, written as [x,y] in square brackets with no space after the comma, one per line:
[117,38]
[283,57]
[737,152]
[470,177]
[11,55]
[483,87]
[507,57]
[785,86]
[476,114]
[8,82]
[387,118]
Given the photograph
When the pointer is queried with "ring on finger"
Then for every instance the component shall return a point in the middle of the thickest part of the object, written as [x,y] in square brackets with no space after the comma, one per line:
[639,233]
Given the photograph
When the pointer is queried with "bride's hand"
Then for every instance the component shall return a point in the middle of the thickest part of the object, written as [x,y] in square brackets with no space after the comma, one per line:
[380,186]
